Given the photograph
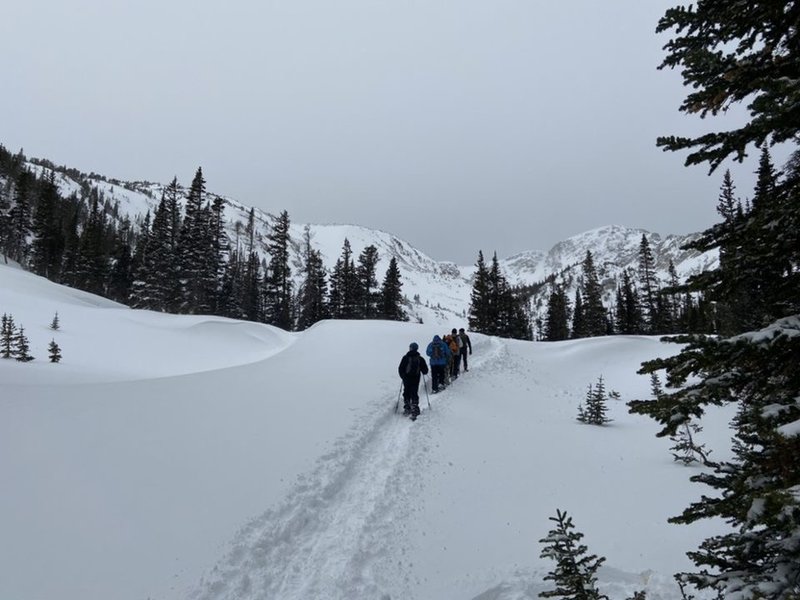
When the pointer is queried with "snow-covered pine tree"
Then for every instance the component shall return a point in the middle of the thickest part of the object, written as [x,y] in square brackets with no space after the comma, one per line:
[22,346]
[7,336]
[756,492]
[54,352]
[575,572]
[55,324]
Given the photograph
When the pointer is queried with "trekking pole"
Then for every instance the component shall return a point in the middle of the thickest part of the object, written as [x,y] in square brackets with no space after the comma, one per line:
[425,385]
[400,391]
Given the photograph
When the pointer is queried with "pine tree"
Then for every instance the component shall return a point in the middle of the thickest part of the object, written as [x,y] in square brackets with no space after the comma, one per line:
[391,294]
[578,317]
[368,282]
[648,284]
[594,314]
[48,240]
[628,317]
[557,322]
[55,324]
[575,572]
[19,227]
[729,51]
[344,288]
[479,297]
[21,350]
[278,281]
[595,411]
[92,263]
[314,287]
[685,450]
[54,352]
[8,334]
[191,250]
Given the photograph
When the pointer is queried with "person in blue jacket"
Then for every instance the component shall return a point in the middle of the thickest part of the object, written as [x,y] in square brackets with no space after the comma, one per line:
[439,353]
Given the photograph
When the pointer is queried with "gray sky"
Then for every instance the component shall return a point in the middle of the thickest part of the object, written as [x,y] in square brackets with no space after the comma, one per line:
[458,125]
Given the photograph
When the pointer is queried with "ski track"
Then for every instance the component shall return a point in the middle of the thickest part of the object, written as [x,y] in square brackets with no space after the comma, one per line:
[340,533]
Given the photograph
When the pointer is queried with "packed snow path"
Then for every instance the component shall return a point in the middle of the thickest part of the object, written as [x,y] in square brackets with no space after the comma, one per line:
[341,533]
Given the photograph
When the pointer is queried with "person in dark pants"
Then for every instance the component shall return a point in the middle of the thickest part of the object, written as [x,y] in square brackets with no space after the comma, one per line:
[465,344]
[412,367]
[439,353]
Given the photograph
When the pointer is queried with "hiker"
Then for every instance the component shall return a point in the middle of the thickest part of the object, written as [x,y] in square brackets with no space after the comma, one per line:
[439,353]
[455,347]
[465,344]
[412,367]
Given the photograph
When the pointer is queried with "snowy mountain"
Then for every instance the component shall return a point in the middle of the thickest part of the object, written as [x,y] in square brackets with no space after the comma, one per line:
[438,292]
[188,457]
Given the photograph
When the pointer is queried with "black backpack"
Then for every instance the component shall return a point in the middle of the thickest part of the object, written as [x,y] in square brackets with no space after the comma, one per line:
[412,366]
[436,352]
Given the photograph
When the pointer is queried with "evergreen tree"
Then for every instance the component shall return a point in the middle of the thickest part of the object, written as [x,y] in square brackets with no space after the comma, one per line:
[628,317]
[8,333]
[344,286]
[92,263]
[278,281]
[120,278]
[575,573]
[19,227]
[314,287]
[191,250]
[54,352]
[21,350]
[595,411]
[55,324]
[594,314]
[730,51]
[368,282]
[48,240]
[578,317]
[391,294]
[648,284]
[479,297]
[557,322]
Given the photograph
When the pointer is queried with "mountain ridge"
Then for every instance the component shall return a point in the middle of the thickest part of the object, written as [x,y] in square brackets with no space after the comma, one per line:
[437,291]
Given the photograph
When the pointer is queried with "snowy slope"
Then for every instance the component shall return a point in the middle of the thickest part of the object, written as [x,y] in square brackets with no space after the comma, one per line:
[191,457]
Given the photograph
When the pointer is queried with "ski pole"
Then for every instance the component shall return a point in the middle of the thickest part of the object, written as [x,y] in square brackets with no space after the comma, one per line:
[425,385]
[400,391]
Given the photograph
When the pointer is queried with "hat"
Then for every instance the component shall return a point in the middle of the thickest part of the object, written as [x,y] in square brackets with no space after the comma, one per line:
[413,346]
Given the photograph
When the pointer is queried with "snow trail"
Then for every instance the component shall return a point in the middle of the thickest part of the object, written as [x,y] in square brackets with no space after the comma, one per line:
[342,533]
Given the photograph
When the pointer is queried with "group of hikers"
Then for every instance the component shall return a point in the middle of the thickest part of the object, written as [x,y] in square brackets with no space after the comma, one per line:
[446,354]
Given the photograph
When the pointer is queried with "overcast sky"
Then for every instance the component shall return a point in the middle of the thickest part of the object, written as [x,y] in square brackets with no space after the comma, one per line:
[458,125]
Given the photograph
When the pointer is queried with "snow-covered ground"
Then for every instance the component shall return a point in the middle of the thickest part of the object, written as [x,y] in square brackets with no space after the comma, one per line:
[173,457]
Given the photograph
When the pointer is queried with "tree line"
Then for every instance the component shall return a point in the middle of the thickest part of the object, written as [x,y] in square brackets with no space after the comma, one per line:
[181,259]
[641,304]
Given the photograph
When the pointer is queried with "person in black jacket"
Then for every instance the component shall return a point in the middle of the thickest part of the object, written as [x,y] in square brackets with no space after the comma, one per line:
[465,344]
[412,367]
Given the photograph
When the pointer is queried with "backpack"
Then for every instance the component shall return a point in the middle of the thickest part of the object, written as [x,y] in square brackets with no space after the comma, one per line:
[436,352]
[453,346]
[412,366]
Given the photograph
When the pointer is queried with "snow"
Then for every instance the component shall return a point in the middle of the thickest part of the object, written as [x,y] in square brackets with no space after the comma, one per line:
[172,457]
